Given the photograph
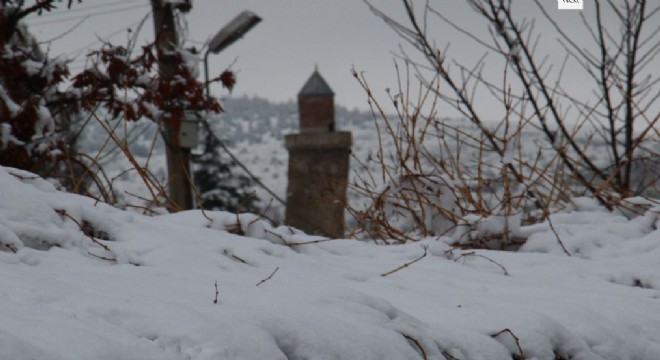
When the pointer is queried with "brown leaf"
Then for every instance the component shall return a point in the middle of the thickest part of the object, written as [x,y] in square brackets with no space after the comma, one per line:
[228,79]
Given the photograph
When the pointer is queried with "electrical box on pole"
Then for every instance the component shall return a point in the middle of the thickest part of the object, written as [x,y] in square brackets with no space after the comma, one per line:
[188,134]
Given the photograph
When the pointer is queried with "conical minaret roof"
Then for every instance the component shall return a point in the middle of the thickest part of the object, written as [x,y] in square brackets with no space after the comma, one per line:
[316,86]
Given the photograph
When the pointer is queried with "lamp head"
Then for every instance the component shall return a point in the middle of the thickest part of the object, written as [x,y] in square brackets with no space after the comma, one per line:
[233,31]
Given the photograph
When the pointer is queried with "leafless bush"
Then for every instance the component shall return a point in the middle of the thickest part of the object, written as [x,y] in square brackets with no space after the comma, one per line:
[435,177]
[428,186]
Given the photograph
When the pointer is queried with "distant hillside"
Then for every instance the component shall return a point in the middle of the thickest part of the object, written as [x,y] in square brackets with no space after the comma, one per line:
[254,130]
[250,118]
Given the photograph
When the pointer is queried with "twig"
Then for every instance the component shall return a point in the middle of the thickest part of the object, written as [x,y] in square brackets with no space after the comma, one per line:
[279,236]
[517,340]
[198,197]
[21,177]
[561,243]
[236,228]
[419,346]
[11,248]
[215,301]
[310,242]
[228,253]
[269,276]
[101,257]
[63,212]
[425,247]
[473,253]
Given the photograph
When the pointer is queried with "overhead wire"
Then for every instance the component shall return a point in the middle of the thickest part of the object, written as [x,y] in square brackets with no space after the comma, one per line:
[209,132]
[88,16]
[100,40]
[55,13]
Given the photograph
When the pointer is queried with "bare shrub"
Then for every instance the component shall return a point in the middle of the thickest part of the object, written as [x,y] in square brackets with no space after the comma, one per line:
[477,180]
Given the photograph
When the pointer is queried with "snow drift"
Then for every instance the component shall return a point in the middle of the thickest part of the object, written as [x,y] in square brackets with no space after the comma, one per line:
[83,280]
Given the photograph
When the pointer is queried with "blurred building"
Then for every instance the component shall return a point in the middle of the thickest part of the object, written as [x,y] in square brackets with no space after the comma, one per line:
[318,163]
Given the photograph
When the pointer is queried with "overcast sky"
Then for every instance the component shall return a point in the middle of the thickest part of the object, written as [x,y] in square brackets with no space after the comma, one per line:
[277,56]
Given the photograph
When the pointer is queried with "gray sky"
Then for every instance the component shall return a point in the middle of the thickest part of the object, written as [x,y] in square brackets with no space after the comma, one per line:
[277,56]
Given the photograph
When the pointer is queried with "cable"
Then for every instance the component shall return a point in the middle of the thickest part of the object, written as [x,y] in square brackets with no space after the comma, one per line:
[90,15]
[210,132]
[108,36]
[84,8]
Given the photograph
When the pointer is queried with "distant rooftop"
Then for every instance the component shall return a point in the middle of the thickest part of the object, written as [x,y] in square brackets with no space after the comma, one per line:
[316,86]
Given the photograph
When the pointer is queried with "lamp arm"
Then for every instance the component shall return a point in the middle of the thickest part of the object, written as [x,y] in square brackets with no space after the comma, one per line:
[206,73]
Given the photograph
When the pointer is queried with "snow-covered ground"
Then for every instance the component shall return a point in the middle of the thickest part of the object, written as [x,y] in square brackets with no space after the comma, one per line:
[151,292]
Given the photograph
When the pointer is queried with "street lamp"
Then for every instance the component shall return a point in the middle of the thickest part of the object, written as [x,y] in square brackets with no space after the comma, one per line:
[231,32]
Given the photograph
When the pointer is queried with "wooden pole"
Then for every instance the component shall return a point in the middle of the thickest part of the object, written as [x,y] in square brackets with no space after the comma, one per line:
[178,158]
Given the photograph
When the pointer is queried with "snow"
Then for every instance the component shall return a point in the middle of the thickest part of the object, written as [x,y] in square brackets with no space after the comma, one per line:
[64,297]
[14,108]
[5,135]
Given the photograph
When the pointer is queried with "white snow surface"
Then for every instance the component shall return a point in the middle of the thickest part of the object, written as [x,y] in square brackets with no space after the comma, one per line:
[151,296]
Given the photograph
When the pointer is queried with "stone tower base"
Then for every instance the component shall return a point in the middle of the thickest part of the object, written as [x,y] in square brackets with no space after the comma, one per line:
[318,178]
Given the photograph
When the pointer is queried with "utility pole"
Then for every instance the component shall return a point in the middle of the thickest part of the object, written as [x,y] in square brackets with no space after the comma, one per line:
[178,158]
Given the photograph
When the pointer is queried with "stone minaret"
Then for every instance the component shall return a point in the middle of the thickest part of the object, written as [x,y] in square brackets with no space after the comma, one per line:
[318,164]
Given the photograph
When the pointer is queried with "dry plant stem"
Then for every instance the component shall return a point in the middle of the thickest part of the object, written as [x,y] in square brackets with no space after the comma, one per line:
[145,210]
[417,344]
[63,213]
[152,147]
[618,67]
[239,259]
[612,74]
[239,226]
[299,243]
[279,236]
[215,300]
[107,194]
[11,248]
[425,247]
[554,231]
[20,177]
[151,186]
[473,253]
[417,37]
[198,197]
[521,353]
[269,276]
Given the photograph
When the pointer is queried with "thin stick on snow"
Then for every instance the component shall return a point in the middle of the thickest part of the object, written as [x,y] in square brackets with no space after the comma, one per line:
[297,243]
[239,259]
[310,242]
[63,212]
[269,276]
[554,231]
[279,236]
[419,346]
[474,253]
[11,248]
[215,301]
[425,247]
[517,339]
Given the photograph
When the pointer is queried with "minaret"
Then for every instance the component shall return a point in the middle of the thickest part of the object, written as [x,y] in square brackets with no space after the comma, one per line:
[318,163]
[316,105]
